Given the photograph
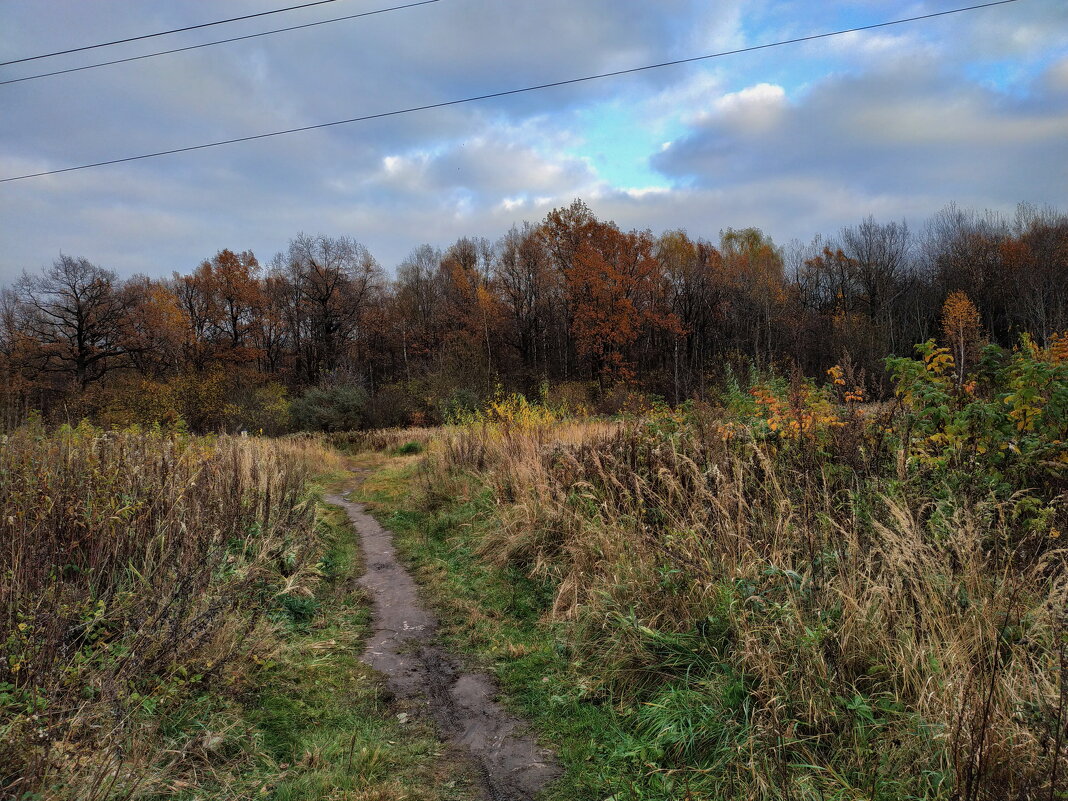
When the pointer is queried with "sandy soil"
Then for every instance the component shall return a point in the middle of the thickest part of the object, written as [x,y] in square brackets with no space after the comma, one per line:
[504,754]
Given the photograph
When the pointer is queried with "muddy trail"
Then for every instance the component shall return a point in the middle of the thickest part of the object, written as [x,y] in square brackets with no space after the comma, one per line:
[503,753]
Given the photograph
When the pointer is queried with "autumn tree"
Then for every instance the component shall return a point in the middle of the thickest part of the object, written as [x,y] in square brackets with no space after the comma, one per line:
[754,267]
[238,295]
[829,293]
[17,385]
[961,329]
[73,313]
[565,232]
[269,330]
[197,301]
[470,302]
[154,327]
[615,295]
[693,276]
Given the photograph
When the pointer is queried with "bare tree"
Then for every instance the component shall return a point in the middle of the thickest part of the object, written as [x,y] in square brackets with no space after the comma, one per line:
[419,295]
[881,253]
[74,312]
[334,279]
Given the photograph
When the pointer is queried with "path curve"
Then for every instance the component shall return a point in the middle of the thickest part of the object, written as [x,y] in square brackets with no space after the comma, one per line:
[506,756]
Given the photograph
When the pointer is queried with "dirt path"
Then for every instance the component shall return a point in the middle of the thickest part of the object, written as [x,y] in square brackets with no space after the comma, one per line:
[506,757]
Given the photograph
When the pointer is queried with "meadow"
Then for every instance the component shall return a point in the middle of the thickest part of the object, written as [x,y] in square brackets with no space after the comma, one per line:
[787,593]
[795,594]
[140,569]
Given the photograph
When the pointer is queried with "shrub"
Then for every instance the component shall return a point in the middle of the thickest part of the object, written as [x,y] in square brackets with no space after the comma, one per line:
[573,397]
[810,596]
[391,406]
[458,405]
[1002,429]
[338,408]
[203,402]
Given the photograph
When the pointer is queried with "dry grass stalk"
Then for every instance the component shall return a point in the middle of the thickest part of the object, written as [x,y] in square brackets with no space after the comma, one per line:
[138,568]
[863,616]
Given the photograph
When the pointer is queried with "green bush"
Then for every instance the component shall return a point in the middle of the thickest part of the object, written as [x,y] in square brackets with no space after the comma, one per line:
[459,403]
[1002,429]
[340,408]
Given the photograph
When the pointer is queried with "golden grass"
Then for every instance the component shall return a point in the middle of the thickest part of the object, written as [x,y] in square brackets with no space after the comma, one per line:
[138,570]
[880,629]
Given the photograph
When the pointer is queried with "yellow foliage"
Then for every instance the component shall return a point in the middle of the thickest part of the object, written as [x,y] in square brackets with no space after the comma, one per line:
[809,412]
[1058,348]
[512,411]
[939,361]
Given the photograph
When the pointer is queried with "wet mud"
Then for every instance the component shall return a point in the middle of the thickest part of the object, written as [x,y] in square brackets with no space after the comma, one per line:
[504,755]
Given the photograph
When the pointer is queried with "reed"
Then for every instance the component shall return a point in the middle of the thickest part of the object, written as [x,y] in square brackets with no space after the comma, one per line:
[805,618]
[141,571]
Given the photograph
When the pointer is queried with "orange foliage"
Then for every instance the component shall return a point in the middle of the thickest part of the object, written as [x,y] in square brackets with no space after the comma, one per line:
[961,329]
[615,285]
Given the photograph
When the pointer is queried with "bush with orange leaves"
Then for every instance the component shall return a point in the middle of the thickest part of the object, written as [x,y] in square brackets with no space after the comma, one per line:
[798,419]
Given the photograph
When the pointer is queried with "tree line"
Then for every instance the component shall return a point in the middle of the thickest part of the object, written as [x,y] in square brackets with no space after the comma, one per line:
[570,305]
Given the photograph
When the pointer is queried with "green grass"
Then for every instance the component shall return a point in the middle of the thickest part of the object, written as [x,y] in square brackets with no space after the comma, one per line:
[318,718]
[684,736]
[496,618]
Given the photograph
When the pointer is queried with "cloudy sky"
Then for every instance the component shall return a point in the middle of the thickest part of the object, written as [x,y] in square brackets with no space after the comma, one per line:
[797,140]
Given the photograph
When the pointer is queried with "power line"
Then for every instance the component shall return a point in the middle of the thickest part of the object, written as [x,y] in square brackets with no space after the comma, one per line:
[506,93]
[165,33]
[218,42]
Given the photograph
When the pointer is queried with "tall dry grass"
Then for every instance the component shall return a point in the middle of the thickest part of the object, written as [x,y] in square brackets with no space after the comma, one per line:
[784,627]
[140,570]
[382,439]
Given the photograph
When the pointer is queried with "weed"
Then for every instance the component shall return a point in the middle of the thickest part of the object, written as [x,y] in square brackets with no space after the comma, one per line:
[140,570]
[800,596]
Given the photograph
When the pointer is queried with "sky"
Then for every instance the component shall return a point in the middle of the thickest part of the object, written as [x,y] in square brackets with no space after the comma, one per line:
[798,140]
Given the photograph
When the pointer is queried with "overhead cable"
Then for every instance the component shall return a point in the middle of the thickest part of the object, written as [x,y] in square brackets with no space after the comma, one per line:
[165,33]
[218,42]
[507,92]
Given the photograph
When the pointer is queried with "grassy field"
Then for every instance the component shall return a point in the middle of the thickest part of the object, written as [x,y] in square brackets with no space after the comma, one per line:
[183,621]
[792,596]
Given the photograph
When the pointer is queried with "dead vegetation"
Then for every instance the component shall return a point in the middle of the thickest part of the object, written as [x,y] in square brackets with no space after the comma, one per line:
[832,615]
[144,577]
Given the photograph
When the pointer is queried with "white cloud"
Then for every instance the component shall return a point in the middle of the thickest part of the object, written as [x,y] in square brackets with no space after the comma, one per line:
[894,131]
[647,191]
[891,122]
[753,109]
